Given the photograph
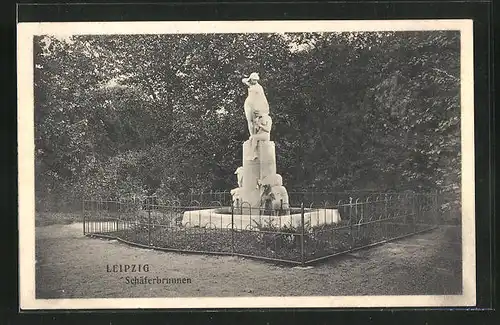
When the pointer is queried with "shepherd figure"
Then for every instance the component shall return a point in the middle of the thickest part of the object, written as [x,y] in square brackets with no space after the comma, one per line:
[262,125]
[256,102]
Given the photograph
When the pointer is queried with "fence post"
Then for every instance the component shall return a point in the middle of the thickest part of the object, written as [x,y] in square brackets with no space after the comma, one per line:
[232,227]
[416,211]
[405,210]
[118,206]
[99,208]
[351,229]
[413,212]
[90,224]
[436,208]
[149,221]
[302,230]
[83,213]
[386,216]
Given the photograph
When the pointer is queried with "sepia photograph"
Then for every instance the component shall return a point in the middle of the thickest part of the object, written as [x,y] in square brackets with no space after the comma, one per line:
[246,164]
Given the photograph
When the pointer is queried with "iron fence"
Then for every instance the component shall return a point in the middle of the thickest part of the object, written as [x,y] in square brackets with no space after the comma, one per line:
[447,203]
[310,233]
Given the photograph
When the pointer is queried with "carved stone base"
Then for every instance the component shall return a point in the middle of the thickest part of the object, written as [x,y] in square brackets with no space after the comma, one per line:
[212,218]
[250,192]
[258,172]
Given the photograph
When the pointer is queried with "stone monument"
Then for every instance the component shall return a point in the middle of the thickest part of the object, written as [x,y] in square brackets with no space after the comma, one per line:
[258,183]
[260,195]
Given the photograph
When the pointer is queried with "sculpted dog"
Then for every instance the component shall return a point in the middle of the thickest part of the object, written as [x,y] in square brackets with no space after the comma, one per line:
[236,196]
[274,199]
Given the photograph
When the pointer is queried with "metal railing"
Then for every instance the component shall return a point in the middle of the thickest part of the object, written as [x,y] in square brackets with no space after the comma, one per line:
[310,233]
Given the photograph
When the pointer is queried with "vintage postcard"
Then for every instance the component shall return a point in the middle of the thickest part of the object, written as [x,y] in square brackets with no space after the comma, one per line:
[246,164]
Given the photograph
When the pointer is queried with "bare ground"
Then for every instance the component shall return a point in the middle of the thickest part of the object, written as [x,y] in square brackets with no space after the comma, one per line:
[69,265]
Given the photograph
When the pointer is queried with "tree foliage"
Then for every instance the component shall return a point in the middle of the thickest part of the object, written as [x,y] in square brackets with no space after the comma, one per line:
[131,114]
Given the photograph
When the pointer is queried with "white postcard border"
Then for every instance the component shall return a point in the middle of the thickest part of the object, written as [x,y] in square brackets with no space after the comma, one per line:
[26,151]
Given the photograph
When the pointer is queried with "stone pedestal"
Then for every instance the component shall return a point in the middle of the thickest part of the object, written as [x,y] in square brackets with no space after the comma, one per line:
[250,192]
[267,157]
[259,172]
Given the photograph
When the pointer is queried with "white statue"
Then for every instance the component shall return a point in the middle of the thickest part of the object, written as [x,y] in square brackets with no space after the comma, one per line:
[256,101]
[262,124]
[273,180]
[236,196]
[239,175]
[274,198]
[236,192]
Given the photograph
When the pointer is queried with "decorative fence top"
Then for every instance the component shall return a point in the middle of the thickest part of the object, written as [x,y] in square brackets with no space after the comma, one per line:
[446,206]
[312,196]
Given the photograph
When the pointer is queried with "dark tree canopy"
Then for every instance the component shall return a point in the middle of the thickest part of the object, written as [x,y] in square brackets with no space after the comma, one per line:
[141,114]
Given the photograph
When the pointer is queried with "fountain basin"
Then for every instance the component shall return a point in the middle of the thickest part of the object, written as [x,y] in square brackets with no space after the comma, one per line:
[220,218]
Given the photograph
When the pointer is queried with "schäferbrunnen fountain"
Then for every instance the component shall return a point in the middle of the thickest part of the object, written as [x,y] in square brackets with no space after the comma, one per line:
[260,198]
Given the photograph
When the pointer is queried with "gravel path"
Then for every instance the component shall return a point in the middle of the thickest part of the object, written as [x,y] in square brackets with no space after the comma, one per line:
[70,265]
